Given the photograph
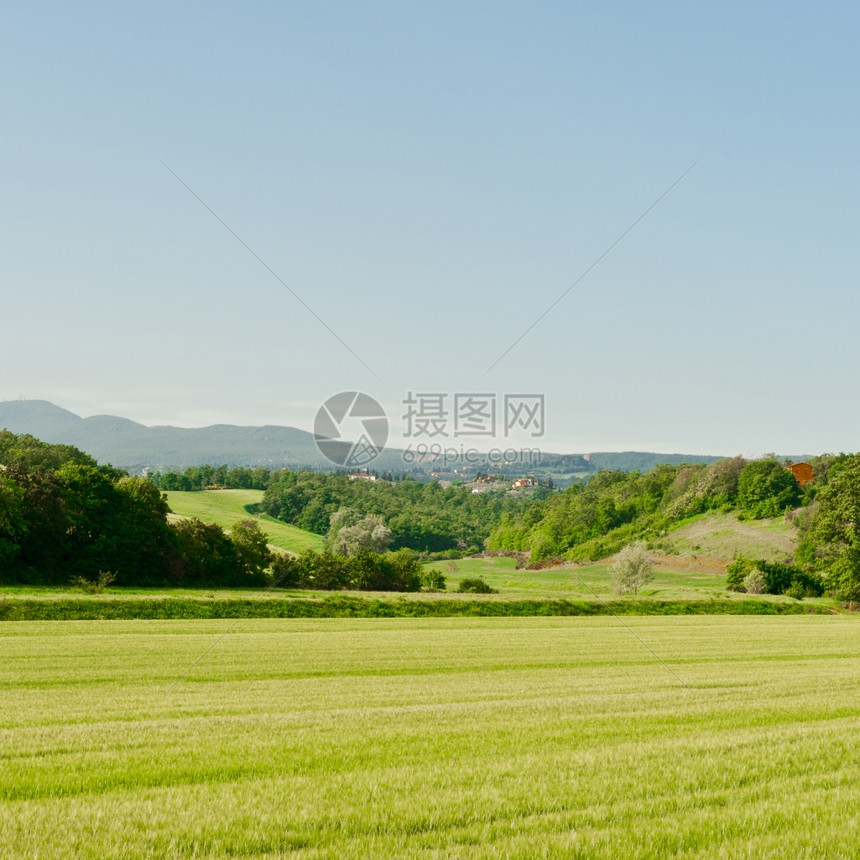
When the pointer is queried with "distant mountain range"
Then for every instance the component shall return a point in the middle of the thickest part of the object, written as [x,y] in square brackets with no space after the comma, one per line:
[132,446]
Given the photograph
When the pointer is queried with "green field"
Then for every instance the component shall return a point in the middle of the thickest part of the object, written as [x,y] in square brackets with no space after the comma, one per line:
[228,507]
[592,582]
[455,738]
[589,583]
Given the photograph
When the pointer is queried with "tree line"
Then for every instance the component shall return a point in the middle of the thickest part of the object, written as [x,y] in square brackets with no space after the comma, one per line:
[425,517]
[63,516]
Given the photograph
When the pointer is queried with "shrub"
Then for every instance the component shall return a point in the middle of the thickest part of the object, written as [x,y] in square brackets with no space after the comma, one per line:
[476,586]
[778,577]
[736,572]
[96,586]
[796,590]
[433,580]
[755,582]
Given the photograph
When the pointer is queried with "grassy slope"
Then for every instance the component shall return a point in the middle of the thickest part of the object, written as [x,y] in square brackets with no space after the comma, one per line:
[227,507]
[442,738]
[723,535]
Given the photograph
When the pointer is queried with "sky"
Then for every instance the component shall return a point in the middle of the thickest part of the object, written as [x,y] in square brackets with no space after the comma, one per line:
[412,186]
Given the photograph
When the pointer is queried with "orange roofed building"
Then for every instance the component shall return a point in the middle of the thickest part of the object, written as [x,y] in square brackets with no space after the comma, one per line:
[802,472]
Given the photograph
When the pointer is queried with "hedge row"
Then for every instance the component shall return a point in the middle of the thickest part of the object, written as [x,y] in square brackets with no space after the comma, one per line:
[86,609]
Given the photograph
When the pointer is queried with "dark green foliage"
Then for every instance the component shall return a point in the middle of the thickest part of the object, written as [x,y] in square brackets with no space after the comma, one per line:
[422,517]
[595,519]
[766,489]
[63,517]
[779,578]
[364,571]
[830,541]
[27,452]
[80,519]
[206,556]
[201,477]
[252,550]
[478,585]
[12,521]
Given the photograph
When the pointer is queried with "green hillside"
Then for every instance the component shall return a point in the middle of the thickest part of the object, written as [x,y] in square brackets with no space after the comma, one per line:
[227,507]
[722,535]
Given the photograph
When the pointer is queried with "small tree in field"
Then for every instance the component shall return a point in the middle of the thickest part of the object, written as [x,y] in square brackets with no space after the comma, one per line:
[632,568]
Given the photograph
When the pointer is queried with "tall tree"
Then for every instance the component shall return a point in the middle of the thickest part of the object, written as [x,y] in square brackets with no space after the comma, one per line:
[831,544]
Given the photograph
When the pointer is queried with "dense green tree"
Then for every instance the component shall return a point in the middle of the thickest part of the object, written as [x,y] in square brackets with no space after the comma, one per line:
[201,477]
[766,489]
[831,543]
[12,522]
[252,549]
[28,452]
[205,555]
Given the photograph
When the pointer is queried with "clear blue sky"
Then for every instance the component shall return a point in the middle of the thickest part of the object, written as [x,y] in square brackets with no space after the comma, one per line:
[429,178]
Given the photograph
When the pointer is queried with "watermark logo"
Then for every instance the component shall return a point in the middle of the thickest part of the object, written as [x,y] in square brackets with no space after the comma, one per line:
[351,429]
[472,414]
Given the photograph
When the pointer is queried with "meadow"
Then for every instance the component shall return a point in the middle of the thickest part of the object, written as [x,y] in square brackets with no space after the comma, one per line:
[674,590]
[228,507]
[455,738]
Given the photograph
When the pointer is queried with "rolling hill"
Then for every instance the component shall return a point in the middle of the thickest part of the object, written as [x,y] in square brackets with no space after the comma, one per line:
[133,446]
[228,507]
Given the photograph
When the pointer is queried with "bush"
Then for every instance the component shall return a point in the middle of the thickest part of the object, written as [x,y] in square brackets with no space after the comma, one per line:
[755,582]
[96,586]
[796,590]
[737,570]
[778,577]
[433,580]
[476,586]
